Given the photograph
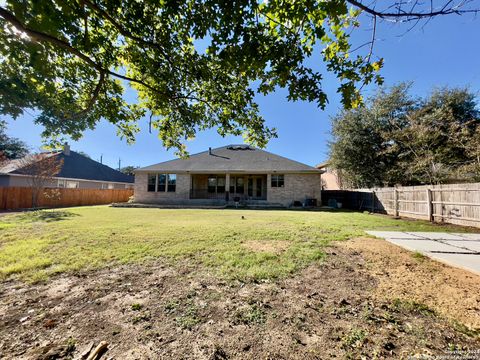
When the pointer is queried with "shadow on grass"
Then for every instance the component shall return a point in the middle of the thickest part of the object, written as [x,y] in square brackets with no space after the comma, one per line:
[46,215]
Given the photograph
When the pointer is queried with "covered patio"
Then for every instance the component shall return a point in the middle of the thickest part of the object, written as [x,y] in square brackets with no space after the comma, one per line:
[229,187]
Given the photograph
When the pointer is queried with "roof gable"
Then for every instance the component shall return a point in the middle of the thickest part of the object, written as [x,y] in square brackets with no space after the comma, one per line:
[231,158]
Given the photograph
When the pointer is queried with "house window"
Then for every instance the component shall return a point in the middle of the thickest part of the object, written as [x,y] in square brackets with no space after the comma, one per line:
[220,184]
[162,183]
[236,185]
[72,184]
[172,182]
[277,181]
[69,184]
[239,186]
[152,178]
[216,184]
[212,184]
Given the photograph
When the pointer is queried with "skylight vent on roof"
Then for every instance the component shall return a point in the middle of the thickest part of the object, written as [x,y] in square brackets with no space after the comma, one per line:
[239,147]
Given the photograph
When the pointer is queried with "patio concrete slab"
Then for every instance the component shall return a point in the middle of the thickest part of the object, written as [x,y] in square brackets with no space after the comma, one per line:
[425,245]
[470,236]
[460,250]
[394,234]
[469,244]
[437,236]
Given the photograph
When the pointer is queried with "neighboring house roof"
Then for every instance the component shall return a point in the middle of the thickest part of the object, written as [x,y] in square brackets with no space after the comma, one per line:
[330,179]
[75,166]
[322,165]
[231,158]
[10,166]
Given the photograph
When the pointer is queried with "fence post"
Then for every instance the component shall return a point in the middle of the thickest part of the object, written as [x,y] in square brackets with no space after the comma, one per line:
[395,202]
[373,201]
[429,205]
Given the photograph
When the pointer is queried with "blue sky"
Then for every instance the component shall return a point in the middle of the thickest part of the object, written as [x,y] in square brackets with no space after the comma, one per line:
[444,53]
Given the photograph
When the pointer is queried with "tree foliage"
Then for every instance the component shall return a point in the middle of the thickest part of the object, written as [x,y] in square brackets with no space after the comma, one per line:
[193,64]
[40,170]
[10,148]
[399,139]
[129,170]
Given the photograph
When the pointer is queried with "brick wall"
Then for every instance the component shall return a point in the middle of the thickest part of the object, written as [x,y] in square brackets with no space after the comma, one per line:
[297,187]
[182,191]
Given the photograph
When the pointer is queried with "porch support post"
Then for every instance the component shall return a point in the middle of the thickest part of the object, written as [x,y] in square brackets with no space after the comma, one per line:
[227,187]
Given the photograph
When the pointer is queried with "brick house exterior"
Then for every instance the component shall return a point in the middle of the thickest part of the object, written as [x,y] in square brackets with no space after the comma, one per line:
[234,173]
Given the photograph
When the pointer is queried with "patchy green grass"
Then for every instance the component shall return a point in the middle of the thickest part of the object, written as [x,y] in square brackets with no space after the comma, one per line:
[35,245]
[417,255]
[412,306]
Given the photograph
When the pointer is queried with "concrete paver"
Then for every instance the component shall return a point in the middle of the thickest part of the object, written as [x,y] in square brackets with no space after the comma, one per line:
[460,250]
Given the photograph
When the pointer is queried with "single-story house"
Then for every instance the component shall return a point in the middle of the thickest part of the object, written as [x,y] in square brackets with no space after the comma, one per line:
[77,171]
[226,175]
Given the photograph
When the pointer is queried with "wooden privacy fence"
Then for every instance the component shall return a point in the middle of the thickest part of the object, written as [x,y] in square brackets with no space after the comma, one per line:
[13,198]
[453,203]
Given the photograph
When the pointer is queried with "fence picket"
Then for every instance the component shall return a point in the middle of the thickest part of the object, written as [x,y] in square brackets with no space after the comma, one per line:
[13,198]
[453,203]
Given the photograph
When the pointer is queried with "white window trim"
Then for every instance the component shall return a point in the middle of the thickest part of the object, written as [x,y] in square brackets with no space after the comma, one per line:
[69,182]
[276,181]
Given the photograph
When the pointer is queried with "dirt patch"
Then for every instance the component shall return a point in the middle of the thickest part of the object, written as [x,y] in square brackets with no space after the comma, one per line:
[270,246]
[333,309]
[402,274]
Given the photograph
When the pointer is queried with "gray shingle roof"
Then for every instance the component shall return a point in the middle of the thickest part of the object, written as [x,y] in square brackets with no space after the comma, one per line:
[232,158]
[75,166]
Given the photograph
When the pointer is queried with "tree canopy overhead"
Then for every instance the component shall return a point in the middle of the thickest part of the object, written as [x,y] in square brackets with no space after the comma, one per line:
[194,64]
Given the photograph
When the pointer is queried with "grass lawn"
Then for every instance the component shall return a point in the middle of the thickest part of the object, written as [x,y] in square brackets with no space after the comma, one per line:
[261,245]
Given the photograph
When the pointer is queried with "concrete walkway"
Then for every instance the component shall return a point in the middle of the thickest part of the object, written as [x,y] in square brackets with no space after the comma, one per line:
[460,250]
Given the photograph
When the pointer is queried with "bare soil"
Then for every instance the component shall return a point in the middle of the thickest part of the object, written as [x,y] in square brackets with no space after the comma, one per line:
[270,246]
[452,292]
[368,299]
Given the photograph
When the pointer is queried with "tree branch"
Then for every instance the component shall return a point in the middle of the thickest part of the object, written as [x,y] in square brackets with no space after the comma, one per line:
[40,36]
[43,37]
[128,34]
[410,15]
[94,97]
[374,32]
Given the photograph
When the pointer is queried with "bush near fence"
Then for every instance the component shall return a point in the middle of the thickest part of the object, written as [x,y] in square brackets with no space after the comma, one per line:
[453,203]
[13,198]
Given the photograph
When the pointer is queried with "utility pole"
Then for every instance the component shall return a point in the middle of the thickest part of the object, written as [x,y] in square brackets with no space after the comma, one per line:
[119,164]
[101,159]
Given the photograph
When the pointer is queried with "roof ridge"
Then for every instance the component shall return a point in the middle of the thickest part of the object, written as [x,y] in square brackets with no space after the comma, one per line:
[229,158]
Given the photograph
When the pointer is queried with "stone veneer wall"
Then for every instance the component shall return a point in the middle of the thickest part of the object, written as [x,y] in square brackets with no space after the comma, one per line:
[297,187]
[141,194]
